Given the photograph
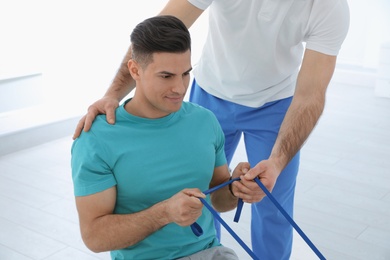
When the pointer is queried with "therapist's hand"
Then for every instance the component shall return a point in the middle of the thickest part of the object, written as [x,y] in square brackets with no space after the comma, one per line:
[105,105]
[267,171]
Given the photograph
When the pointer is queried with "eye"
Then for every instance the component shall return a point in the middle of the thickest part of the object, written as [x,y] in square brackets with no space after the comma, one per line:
[166,76]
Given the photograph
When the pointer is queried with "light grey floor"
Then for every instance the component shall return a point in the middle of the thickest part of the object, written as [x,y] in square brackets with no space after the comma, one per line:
[342,196]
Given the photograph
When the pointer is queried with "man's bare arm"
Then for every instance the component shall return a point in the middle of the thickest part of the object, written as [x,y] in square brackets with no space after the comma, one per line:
[302,116]
[306,107]
[104,231]
[222,199]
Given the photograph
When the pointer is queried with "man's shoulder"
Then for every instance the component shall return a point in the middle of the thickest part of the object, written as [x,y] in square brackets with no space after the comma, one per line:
[100,122]
[198,114]
[99,126]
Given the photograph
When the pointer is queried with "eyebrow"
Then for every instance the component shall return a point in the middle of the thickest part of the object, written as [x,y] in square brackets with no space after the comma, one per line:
[172,74]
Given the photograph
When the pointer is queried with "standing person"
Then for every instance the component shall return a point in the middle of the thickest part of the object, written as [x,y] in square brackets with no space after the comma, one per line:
[260,80]
[138,183]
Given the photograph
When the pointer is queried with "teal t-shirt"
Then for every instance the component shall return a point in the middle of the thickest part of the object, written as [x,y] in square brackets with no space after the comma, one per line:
[150,160]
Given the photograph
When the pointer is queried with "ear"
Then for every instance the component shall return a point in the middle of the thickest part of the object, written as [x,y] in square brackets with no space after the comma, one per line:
[134,69]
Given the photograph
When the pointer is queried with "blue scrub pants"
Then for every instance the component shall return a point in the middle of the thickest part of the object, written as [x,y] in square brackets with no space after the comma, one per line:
[271,233]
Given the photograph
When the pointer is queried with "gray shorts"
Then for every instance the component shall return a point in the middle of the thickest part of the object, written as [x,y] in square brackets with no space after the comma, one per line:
[214,253]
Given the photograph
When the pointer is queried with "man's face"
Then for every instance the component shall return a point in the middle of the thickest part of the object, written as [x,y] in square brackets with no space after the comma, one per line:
[162,84]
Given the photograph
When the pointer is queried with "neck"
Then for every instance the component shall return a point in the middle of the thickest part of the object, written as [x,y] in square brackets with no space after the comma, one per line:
[135,108]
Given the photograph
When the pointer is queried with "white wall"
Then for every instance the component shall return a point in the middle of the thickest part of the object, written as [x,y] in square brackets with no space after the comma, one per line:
[78,44]
[369,29]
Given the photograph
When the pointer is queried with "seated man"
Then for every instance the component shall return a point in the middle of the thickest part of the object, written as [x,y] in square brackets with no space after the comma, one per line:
[137,183]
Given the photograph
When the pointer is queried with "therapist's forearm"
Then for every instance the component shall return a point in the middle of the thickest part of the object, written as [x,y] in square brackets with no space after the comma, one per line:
[299,122]
[123,83]
[306,107]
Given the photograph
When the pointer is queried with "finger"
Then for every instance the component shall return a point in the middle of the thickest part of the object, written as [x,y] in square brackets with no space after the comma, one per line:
[247,187]
[253,200]
[241,169]
[249,183]
[89,118]
[252,194]
[79,128]
[249,191]
[244,166]
[88,122]
[110,115]
[253,173]
[194,193]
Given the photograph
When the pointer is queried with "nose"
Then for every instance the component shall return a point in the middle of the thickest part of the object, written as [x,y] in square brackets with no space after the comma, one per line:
[180,86]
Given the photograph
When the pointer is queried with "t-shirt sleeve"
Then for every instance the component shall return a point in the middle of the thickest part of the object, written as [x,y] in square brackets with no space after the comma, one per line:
[328,27]
[90,173]
[220,157]
[201,4]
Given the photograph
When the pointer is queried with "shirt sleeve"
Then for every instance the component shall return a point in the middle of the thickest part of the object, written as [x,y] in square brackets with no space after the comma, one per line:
[90,173]
[328,27]
[220,157]
[201,4]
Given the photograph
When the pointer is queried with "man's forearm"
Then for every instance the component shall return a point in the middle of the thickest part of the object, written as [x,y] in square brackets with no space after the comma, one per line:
[223,200]
[116,231]
[300,120]
[306,107]
[123,83]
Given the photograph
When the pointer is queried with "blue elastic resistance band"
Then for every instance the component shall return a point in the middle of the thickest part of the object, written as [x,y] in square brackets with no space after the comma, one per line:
[197,229]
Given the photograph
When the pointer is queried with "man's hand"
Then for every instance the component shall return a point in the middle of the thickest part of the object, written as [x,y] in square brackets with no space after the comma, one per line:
[185,207]
[248,190]
[105,105]
[245,189]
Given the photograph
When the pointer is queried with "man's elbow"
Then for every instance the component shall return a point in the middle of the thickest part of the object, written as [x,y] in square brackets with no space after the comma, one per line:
[93,243]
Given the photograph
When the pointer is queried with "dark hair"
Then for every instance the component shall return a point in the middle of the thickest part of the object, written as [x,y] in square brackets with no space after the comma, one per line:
[159,34]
